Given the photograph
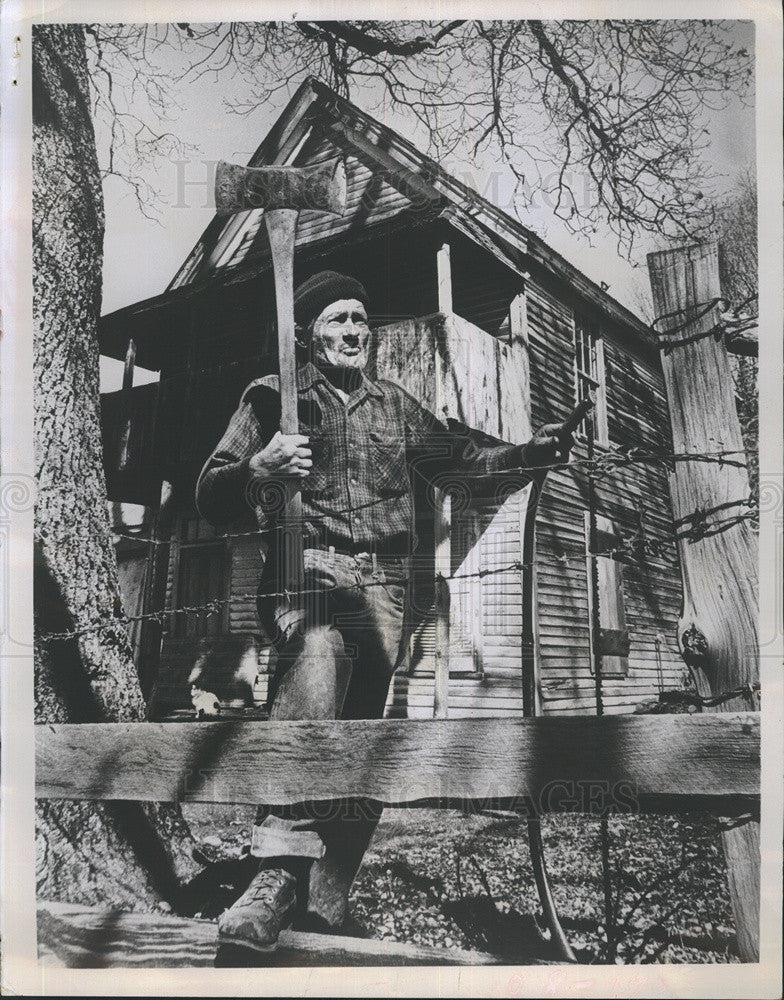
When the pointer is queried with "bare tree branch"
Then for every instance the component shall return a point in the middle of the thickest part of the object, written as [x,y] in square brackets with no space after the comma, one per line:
[607,120]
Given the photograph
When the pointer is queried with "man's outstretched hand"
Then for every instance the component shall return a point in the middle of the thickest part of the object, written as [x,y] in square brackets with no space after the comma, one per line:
[550,445]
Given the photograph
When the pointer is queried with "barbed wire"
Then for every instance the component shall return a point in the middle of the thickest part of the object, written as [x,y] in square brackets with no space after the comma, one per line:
[701,309]
[737,324]
[746,691]
[635,546]
[634,456]
[697,526]
[606,464]
[214,606]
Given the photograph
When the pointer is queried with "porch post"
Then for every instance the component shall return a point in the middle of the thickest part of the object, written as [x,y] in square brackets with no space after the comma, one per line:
[442,517]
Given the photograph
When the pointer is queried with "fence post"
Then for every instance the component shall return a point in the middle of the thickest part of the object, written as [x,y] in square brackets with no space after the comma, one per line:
[717,630]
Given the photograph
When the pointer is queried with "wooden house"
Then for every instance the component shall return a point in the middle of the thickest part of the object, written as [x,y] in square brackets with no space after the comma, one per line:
[487,325]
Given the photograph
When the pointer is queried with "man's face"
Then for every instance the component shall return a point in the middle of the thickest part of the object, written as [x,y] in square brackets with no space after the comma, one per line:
[341,335]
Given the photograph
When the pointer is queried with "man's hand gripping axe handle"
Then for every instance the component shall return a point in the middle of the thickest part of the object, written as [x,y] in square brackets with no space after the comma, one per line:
[282,192]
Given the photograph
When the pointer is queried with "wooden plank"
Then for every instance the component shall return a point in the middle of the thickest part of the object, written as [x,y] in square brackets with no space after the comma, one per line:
[442,515]
[456,370]
[444,270]
[514,375]
[670,761]
[471,375]
[88,938]
[600,409]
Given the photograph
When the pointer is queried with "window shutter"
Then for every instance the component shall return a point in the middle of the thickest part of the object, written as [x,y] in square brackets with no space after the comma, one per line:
[614,637]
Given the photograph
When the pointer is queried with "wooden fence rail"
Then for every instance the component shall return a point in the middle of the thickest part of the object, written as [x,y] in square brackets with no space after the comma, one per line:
[658,763]
[670,763]
[86,937]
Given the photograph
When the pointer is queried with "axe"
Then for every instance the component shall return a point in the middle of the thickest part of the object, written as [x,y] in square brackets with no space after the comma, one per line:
[282,192]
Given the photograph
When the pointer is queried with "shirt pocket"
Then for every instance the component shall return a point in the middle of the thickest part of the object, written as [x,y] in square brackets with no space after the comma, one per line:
[388,456]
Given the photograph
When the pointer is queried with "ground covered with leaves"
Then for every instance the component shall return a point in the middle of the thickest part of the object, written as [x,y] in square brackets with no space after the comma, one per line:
[451,879]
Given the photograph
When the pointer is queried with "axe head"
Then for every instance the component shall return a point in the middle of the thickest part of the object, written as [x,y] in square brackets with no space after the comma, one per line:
[320,188]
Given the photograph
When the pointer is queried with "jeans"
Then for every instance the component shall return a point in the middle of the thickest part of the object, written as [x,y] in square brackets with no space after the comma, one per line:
[337,651]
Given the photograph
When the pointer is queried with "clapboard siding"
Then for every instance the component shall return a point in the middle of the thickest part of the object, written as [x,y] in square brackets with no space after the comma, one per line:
[482,288]
[472,381]
[551,355]
[485,614]
[637,406]
[247,564]
[635,497]
[412,697]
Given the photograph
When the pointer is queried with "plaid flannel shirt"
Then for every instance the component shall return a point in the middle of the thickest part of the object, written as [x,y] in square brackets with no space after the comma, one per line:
[358,494]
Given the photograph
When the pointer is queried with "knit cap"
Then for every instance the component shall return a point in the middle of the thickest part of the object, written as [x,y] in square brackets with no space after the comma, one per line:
[319,290]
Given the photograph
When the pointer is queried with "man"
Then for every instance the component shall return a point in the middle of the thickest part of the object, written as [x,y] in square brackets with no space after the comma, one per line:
[339,642]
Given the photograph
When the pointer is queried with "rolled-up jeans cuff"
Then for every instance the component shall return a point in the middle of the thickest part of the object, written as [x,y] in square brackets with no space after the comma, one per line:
[276,837]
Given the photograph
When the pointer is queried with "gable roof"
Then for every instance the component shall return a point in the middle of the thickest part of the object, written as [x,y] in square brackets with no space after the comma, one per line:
[387,177]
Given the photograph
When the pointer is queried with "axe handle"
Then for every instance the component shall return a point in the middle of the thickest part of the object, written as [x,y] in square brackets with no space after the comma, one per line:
[281,227]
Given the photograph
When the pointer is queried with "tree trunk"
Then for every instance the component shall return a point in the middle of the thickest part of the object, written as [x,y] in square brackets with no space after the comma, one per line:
[88,853]
[717,630]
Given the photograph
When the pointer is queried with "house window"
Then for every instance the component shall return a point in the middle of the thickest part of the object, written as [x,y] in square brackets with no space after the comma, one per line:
[589,373]
[202,575]
[614,638]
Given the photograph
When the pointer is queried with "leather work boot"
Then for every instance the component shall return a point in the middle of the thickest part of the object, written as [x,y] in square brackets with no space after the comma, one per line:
[261,912]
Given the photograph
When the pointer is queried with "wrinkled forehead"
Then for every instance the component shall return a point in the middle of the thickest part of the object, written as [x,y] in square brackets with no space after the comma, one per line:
[342,307]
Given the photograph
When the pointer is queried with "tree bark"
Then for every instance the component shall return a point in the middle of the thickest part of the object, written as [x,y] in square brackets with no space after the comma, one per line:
[125,854]
[717,630]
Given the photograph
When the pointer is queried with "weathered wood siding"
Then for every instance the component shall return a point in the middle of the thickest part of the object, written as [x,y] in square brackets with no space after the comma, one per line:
[132,561]
[485,619]
[635,497]
[136,482]
[458,372]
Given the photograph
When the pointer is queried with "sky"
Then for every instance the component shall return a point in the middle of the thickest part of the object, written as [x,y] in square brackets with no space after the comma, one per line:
[142,255]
